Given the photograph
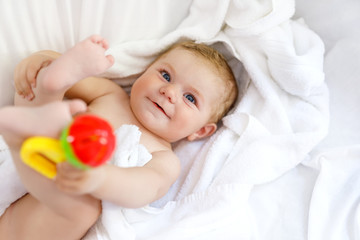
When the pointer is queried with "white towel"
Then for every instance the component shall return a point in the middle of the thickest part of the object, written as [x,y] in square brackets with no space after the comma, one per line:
[281,117]
[128,151]
[11,187]
[334,211]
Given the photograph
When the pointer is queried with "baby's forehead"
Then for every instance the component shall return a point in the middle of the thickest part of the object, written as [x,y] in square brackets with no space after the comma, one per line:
[190,56]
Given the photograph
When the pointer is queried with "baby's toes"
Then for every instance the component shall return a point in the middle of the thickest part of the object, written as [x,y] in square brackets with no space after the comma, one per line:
[100,41]
[96,38]
[111,60]
[105,44]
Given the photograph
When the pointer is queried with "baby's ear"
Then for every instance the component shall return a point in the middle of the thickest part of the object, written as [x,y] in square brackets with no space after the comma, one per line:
[203,132]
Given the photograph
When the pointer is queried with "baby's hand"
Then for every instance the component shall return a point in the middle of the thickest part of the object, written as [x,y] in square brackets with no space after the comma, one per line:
[26,72]
[76,181]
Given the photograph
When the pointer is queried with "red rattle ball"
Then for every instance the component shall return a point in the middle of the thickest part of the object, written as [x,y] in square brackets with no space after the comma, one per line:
[88,141]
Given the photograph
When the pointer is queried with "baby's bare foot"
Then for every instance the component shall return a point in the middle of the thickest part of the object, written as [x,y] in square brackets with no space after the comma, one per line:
[89,54]
[87,58]
[19,123]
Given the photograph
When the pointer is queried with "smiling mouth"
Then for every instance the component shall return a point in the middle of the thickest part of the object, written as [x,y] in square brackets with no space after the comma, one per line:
[160,108]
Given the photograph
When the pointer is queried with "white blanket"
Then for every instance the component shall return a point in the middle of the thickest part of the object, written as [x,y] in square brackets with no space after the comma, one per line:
[11,187]
[245,182]
[319,198]
[284,111]
[281,117]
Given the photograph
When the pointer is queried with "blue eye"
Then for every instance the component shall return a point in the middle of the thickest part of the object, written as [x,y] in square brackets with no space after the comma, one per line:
[190,98]
[166,75]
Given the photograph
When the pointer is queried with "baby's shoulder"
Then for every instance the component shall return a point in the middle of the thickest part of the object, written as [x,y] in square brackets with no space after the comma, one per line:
[163,156]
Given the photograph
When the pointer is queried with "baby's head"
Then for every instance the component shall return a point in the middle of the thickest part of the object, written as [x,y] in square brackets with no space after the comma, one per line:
[217,62]
[184,92]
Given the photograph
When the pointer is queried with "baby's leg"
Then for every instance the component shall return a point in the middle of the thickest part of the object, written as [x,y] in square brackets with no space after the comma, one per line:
[44,213]
[19,123]
[87,58]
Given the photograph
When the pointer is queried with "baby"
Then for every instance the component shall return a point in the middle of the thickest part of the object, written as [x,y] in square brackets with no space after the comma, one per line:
[182,94]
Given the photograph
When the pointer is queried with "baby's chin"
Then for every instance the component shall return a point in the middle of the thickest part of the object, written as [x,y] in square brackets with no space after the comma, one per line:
[164,134]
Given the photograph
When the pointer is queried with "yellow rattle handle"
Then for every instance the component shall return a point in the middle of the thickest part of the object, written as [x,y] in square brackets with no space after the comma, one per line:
[42,154]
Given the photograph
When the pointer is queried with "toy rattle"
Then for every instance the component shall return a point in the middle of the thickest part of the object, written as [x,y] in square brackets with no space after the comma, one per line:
[88,141]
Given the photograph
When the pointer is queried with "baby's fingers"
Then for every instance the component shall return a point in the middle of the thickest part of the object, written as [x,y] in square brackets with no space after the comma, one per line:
[24,89]
[22,85]
[68,185]
[72,180]
[31,76]
[32,72]
[67,171]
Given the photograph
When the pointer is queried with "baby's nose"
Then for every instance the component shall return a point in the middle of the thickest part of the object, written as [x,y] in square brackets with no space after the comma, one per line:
[170,92]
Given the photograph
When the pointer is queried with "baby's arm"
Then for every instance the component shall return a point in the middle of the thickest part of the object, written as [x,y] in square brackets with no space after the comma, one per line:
[128,187]
[138,186]
[26,72]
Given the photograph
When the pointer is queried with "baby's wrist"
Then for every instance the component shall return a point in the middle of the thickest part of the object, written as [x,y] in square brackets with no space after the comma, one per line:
[98,174]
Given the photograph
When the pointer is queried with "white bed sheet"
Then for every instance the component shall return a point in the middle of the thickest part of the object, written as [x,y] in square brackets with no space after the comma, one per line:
[337,23]
[319,198]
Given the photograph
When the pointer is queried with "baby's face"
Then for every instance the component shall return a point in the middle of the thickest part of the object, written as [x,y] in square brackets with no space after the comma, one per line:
[176,95]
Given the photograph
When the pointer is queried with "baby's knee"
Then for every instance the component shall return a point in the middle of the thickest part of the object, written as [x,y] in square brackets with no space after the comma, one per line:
[79,219]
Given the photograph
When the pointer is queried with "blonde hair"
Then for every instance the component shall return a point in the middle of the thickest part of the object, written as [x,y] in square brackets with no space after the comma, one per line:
[223,70]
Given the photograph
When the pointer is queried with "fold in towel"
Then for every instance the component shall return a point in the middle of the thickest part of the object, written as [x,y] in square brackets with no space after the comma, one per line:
[334,210]
[128,151]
